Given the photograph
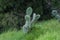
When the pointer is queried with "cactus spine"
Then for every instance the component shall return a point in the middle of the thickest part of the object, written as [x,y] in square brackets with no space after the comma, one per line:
[28,20]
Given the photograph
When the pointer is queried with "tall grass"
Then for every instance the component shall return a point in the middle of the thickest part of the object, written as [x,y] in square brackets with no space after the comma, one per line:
[46,30]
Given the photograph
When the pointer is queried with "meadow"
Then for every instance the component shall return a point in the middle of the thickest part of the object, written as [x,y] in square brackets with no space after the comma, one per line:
[45,30]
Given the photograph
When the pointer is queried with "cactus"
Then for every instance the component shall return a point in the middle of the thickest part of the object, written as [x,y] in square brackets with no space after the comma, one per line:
[29,22]
[56,14]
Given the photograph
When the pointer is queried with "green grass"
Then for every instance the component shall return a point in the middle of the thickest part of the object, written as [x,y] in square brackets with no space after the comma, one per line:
[46,30]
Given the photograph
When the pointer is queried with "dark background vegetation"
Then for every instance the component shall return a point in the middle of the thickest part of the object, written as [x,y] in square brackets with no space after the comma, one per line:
[12,12]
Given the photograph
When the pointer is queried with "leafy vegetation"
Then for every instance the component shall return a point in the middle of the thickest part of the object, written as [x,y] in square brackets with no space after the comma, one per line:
[12,13]
[46,30]
[15,10]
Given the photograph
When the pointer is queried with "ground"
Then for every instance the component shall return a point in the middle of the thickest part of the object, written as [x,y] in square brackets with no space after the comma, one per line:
[46,30]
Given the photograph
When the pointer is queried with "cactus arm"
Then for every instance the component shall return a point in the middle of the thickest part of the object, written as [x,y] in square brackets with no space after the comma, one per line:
[28,20]
[35,18]
[29,11]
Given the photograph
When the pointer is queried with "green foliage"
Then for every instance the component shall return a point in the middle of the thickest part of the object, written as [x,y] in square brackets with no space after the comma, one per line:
[46,30]
[55,3]
[8,21]
[18,8]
